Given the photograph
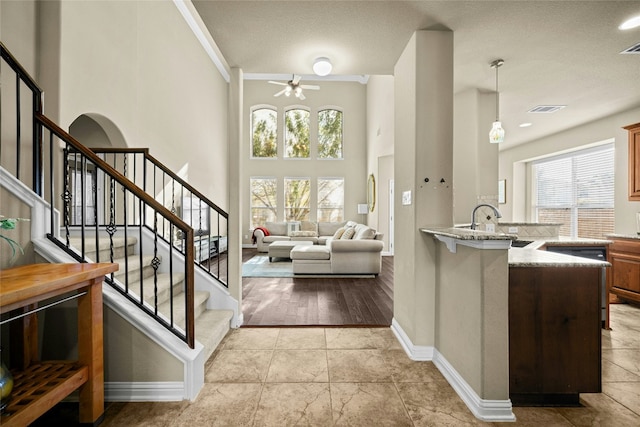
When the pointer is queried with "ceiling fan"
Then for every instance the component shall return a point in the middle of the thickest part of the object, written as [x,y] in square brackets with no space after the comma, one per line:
[294,86]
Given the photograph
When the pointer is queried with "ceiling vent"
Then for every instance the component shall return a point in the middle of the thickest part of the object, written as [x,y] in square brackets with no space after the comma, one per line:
[633,49]
[546,108]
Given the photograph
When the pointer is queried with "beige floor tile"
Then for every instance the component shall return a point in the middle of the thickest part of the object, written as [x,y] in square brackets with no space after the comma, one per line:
[537,417]
[367,404]
[251,339]
[625,358]
[294,404]
[301,338]
[222,405]
[404,369]
[598,409]
[385,339]
[239,366]
[353,338]
[628,394]
[143,414]
[614,373]
[357,366]
[298,366]
[435,404]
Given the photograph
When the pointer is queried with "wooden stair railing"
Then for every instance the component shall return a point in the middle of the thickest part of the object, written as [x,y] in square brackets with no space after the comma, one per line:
[129,209]
[210,222]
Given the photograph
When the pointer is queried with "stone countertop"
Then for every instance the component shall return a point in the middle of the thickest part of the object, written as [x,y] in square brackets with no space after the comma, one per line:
[563,241]
[624,236]
[529,256]
[526,257]
[466,233]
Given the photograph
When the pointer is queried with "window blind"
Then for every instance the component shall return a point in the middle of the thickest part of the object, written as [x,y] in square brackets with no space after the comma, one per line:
[577,190]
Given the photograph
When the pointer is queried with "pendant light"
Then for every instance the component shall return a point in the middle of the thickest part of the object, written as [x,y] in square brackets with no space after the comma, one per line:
[496,134]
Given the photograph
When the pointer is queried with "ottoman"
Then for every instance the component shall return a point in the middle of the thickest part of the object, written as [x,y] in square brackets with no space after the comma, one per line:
[311,259]
[282,248]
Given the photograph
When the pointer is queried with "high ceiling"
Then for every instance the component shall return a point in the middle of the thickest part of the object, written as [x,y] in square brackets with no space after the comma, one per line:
[555,52]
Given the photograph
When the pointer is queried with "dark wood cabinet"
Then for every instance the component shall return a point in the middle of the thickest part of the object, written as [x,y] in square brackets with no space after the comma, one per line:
[624,278]
[554,334]
[634,161]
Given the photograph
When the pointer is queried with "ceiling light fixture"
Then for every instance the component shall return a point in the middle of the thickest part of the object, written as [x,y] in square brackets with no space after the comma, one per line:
[525,125]
[496,134]
[322,66]
[630,23]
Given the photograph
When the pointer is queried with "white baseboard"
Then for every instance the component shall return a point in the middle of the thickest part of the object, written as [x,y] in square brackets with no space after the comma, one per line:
[415,352]
[485,410]
[169,391]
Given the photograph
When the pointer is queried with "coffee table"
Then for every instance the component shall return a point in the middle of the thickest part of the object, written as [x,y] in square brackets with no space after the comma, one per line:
[282,248]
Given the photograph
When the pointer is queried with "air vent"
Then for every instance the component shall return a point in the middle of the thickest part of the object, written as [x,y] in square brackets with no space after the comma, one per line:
[546,108]
[633,49]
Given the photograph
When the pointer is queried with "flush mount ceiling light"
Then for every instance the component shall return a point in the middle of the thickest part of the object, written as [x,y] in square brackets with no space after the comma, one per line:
[630,23]
[322,66]
[496,134]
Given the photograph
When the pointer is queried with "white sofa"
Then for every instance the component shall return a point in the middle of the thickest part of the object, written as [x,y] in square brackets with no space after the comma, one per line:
[318,233]
[339,248]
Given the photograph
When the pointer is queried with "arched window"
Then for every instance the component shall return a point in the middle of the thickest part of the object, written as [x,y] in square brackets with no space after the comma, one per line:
[264,133]
[296,134]
[330,134]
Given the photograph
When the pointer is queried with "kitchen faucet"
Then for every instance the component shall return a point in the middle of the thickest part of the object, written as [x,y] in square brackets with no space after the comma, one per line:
[473,214]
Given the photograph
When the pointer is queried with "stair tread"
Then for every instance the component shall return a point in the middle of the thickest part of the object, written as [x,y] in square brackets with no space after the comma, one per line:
[211,327]
[179,314]
[104,243]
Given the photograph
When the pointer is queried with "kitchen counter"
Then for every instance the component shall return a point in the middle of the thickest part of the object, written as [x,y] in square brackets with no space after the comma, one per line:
[624,236]
[529,256]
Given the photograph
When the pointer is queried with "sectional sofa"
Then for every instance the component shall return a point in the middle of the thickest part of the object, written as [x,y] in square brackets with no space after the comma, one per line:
[339,247]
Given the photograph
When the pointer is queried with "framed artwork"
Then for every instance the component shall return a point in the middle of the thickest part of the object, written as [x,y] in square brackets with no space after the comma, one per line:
[371,193]
[502,191]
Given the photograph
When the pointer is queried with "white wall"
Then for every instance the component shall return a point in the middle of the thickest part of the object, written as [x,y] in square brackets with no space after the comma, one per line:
[380,144]
[139,65]
[348,97]
[512,160]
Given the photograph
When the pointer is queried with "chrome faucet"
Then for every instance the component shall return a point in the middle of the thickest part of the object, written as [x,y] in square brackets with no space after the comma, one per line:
[473,214]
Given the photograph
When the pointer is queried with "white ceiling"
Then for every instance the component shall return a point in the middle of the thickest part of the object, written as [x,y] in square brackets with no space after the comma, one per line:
[555,52]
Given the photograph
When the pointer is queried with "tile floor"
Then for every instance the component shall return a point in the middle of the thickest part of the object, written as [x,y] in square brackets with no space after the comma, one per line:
[362,377]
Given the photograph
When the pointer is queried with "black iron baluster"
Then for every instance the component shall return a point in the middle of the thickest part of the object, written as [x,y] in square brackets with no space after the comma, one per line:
[51,186]
[111,228]
[126,227]
[66,194]
[18,127]
[155,263]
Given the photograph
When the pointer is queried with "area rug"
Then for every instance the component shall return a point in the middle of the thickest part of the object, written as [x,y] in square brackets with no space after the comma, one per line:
[259,266]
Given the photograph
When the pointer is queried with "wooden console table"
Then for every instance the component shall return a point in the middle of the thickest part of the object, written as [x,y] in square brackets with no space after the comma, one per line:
[42,384]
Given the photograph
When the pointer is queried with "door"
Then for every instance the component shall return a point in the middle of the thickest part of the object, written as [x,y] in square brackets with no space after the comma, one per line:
[391,215]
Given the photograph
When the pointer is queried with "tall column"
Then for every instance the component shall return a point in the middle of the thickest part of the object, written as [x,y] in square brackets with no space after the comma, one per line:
[236,192]
[423,178]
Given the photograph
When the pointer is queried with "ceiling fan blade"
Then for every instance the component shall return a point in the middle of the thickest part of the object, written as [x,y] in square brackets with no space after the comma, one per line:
[277,83]
[296,79]
[311,87]
[280,93]
[301,97]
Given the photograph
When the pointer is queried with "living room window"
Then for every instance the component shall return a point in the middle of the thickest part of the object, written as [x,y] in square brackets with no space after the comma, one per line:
[330,199]
[264,133]
[577,190]
[264,196]
[296,134]
[330,134]
[297,199]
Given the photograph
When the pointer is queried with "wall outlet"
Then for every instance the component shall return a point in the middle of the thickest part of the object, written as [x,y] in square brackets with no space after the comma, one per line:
[490,227]
[513,229]
[246,236]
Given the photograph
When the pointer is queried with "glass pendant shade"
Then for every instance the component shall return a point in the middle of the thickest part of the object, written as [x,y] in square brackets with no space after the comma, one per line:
[496,135]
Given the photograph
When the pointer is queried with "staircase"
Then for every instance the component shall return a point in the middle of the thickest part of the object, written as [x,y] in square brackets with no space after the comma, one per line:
[165,289]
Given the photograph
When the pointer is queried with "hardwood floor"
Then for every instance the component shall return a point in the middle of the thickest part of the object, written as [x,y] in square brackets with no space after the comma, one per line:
[311,302]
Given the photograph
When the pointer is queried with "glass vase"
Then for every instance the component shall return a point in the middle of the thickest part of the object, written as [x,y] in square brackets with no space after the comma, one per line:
[6,384]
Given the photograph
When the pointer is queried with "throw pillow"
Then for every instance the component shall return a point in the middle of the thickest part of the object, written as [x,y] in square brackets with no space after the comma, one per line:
[348,234]
[338,233]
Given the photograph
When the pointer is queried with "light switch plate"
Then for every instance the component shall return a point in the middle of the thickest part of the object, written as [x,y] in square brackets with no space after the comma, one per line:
[406,197]
[491,228]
